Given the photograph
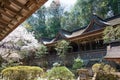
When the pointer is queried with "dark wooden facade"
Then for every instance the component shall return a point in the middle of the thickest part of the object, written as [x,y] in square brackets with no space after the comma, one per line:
[86,42]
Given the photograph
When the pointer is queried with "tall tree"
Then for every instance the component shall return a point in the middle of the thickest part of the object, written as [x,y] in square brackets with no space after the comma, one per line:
[83,10]
[48,20]
[53,22]
[111,33]
[62,48]
[36,23]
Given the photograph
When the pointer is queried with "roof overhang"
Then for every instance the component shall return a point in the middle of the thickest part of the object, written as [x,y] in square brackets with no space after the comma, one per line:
[113,52]
[85,36]
[14,12]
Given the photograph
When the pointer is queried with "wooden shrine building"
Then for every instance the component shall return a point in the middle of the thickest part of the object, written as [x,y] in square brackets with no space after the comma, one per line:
[86,42]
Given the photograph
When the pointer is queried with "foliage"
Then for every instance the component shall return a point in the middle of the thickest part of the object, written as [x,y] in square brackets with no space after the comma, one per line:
[108,69]
[18,44]
[48,20]
[96,67]
[104,76]
[20,38]
[62,48]
[56,64]
[41,51]
[104,71]
[103,67]
[21,73]
[78,63]
[61,73]
[83,10]
[17,41]
[53,21]
[36,23]
[45,21]
[10,63]
[117,32]
[111,33]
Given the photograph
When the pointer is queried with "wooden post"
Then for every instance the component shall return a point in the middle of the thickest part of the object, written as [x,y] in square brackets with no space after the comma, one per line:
[83,74]
[96,45]
[78,46]
[84,46]
[90,45]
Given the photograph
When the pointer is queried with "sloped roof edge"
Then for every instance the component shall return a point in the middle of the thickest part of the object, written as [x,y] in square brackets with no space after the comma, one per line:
[95,19]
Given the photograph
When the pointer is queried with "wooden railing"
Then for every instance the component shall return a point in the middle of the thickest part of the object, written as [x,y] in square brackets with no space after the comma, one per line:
[99,53]
[90,51]
[85,55]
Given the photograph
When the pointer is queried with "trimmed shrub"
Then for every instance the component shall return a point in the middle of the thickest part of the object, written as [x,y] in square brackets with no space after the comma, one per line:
[104,72]
[108,69]
[61,73]
[21,73]
[78,63]
[96,67]
[103,67]
[104,76]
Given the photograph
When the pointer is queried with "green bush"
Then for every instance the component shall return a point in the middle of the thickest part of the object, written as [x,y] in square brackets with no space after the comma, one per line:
[78,63]
[41,51]
[104,76]
[108,69]
[103,67]
[111,33]
[104,71]
[21,73]
[96,67]
[61,73]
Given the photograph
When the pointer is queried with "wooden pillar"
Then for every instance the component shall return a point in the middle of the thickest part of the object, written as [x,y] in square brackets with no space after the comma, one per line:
[78,46]
[90,45]
[96,45]
[85,46]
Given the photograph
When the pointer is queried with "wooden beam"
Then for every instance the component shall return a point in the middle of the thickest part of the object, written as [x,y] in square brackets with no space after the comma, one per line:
[34,8]
[1,31]
[14,11]
[1,27]
[5,21]
[19,4]
[7,15]
[4,28]
[1,23]
[35,1]
[1,35]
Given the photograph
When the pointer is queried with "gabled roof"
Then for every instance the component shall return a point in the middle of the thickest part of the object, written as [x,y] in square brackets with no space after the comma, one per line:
[67,34]
[62,34]
[114,20]
[14,12]
[96,25]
